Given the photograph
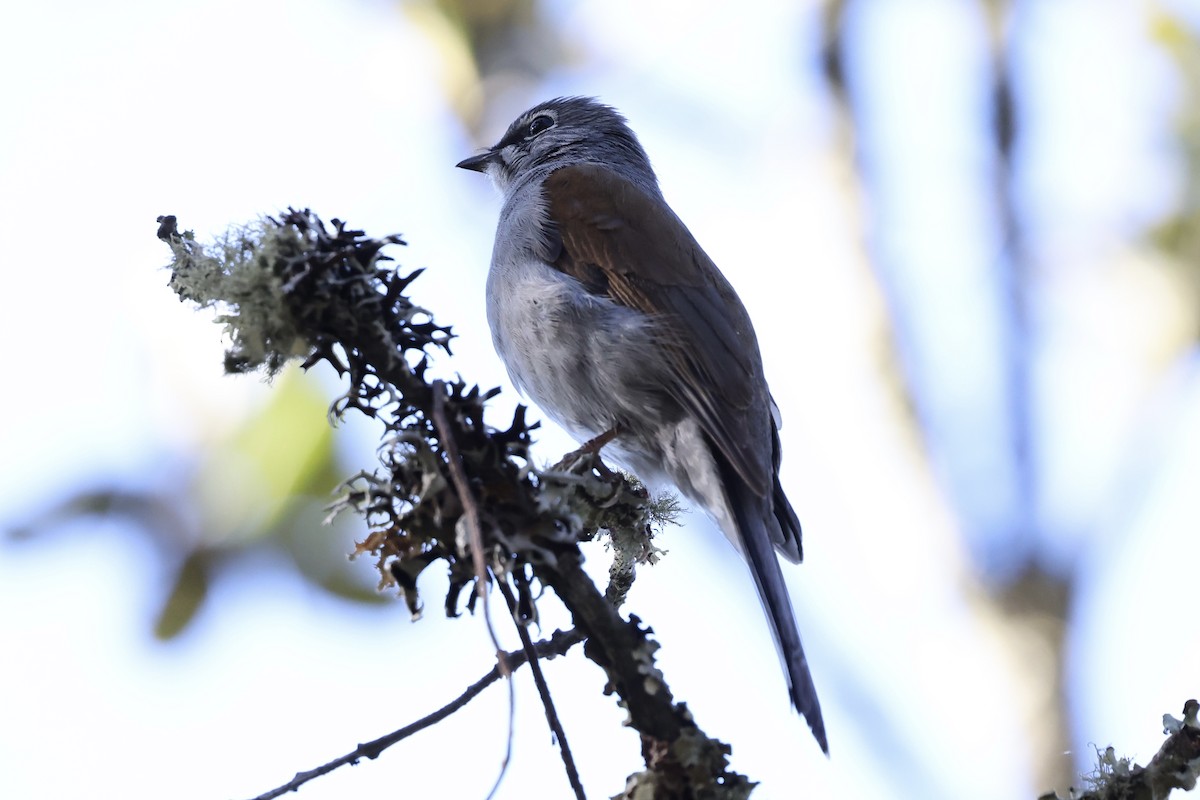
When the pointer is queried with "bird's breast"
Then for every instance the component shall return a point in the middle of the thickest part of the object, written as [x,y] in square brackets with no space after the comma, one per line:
[588,362]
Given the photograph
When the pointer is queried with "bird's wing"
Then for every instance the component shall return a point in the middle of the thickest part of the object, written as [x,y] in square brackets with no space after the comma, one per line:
[628,246]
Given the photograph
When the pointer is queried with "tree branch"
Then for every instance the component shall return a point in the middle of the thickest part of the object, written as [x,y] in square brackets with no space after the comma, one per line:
[292,286]
[1176,765]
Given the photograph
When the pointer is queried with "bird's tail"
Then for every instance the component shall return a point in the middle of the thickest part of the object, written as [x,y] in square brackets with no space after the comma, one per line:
[758,546]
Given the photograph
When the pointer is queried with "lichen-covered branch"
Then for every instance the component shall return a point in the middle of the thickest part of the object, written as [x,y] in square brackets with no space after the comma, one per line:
[1176,765]
[295,288]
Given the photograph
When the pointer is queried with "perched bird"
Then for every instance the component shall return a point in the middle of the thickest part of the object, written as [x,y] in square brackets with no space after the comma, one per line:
[611,317]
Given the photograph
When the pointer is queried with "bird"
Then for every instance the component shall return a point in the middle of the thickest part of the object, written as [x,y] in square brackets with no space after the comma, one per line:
[609,315]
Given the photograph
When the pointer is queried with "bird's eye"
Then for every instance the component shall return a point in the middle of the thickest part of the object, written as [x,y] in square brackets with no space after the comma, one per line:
[540,123]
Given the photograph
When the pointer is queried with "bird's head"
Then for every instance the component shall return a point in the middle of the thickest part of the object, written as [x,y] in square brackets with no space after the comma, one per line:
[563,132]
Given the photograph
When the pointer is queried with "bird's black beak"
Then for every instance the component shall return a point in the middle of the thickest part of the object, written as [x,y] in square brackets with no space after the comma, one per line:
[477,163]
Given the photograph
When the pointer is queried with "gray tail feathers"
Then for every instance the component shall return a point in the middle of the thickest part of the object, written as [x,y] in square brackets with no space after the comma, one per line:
[772,591]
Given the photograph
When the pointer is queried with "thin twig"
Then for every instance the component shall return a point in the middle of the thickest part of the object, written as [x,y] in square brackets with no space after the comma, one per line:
[471,512]
[544,692]
[502,666]
[459,478]
[556,645]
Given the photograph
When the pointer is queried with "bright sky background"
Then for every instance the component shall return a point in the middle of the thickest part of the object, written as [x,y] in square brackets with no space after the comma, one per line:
[219,111]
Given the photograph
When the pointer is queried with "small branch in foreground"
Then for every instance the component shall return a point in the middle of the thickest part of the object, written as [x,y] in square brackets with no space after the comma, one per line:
[557,645]
[1176,765]
[471,514]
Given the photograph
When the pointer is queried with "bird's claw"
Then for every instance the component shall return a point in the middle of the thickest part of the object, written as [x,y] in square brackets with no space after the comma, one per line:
[588,455]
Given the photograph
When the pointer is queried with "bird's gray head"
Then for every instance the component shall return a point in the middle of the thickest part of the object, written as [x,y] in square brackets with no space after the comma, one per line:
[561,132]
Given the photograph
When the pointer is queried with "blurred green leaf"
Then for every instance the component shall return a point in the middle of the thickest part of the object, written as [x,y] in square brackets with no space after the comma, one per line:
[250,483]
[187,595]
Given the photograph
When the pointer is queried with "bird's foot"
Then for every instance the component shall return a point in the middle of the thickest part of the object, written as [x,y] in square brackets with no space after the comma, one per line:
[589,453]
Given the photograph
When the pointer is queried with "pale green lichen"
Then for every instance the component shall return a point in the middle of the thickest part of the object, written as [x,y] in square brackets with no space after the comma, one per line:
[239,274]
[1109,767]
